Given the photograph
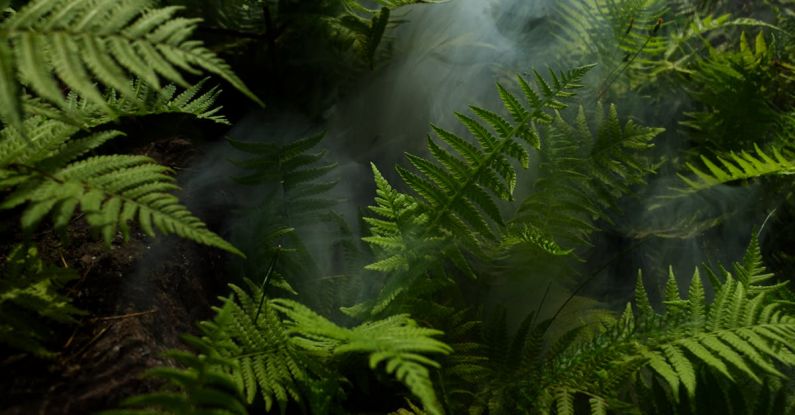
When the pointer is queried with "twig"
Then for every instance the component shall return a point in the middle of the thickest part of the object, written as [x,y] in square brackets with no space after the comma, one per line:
[123,316]
[90,342]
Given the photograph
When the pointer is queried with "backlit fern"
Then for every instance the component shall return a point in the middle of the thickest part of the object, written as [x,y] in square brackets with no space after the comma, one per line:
[281,349]
[741,334]
[457,189]
[397,342]
[736,167]
[47,173]
[193,101]
[82,42]
[256,339]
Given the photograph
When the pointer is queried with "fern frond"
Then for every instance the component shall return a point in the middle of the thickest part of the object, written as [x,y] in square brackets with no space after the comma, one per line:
[203,387]
[640,41]
[750,272]
[458,189]
[738,91]
[294,169]
[257,340]
[297,201]
[45,173]
[396,341]
[583,175]
[29,300]
[735,167]
[738,335]
[108,41]
[192,101]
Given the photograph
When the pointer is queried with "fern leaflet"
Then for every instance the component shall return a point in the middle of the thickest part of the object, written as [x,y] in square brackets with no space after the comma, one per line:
[458,188]
[105,40]
[203,387]
[736,166]
[29,298]
[47,173]
[395,341]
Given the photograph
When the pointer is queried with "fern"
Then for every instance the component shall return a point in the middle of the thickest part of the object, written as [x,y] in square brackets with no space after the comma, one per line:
[256,339]
[107,41]
[282,349]
[396,341]
[204,387]
[363,27]
[744,96]
[738,335]
[582,175]
[353,30]
[29,300]
[48,175]
[736,167]
[640,41]
[297,201]
[458,190]
[81,113]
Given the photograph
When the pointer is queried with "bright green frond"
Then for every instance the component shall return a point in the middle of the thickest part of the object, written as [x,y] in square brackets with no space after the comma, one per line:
[80,43]
[45,174]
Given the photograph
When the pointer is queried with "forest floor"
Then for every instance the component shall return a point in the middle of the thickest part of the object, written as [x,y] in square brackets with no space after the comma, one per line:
[138,298]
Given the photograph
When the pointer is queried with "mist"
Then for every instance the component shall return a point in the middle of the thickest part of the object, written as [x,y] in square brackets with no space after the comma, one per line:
[444,58]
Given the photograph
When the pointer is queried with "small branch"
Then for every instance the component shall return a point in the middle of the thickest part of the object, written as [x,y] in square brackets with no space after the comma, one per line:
[124,316]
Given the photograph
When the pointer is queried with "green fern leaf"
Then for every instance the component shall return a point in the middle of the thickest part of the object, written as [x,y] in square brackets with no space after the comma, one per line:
[734,167]
[205,386]
[110,190]
[395,341]
[459,187]
[107,41]
[732,337]
[29,301]
[583,174]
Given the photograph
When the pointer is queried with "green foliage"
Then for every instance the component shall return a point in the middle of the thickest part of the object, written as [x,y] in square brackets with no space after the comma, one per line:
[396,341]
[203,387]
[283,349]
[458,189]
[741,334]
[48,174]
[744,95]
[741,166]
[281,229]
[145,101]
[645,361]
[107,41]
[640,42]
[255,338]
[294,169]
[30,301]
[351,28]
[583,174]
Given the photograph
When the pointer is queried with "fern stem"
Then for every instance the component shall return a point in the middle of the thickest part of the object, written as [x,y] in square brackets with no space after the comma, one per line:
[265,280]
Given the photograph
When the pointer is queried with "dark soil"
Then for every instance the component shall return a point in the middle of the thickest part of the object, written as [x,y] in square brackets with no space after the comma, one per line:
[139,297]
